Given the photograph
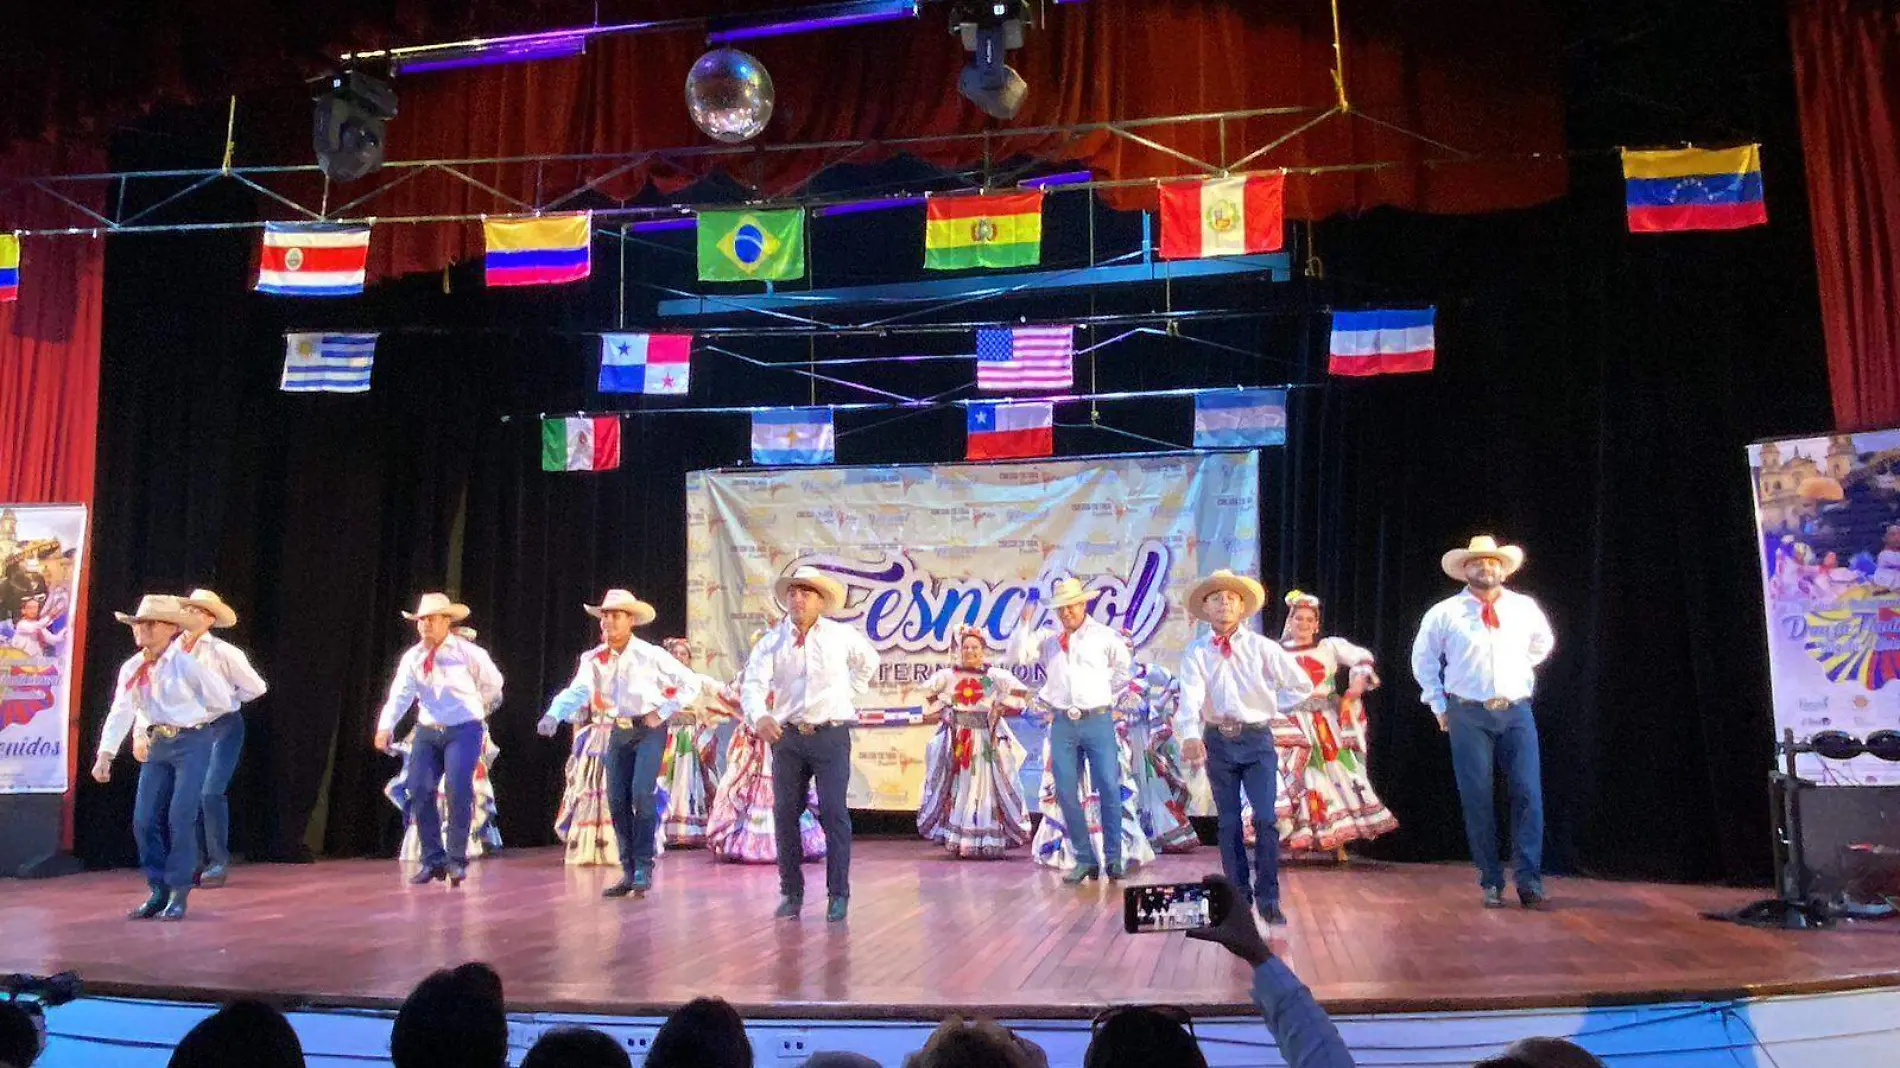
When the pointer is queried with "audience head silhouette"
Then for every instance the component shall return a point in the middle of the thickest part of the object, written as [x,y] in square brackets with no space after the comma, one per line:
[19,1038]
[576,1047]
[453,1019]
[703,1033]
[975,1044]
[1141,1037]
[1542,1053]
[243,1034]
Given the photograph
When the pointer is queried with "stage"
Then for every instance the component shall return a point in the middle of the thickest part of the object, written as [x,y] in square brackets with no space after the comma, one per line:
[926,934]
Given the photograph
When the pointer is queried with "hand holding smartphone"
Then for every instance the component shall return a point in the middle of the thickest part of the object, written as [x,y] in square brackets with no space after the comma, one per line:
[1171,907]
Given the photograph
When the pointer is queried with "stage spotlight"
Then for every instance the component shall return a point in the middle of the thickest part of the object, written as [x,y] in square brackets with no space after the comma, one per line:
[1885,745]
[348,131]
[989,29]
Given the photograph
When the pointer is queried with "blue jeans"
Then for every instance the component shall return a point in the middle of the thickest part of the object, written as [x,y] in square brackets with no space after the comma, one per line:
[1091,738]
[797,760]
[1250,762]
[227,743]
[436,752]
[1480,740]
[633,771]
[165,815]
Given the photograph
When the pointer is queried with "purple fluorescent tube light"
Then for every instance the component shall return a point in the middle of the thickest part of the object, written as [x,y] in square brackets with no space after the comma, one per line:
[654,226]
[1065,178]
[501,50]
[857,206]
[808,19]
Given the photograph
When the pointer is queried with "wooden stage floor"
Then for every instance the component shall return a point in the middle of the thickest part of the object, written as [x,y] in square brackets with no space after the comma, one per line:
[926,934]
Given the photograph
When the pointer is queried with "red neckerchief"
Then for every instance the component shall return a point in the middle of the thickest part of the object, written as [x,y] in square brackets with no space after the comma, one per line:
[1224,645]
[1488,613]
[191,640]
[428,659]
[143,676]
[800,635]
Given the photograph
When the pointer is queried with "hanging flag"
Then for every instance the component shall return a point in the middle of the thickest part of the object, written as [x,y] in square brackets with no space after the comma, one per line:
[997,230]
[1025,357]
[1223,217]
[538,250]
[9,267]
[328,363]
[1241,418]
[999,431]
[792,436]
[1693,189]
[580,443]
[751,246]
[1384,342]
[645,363]
[313,260]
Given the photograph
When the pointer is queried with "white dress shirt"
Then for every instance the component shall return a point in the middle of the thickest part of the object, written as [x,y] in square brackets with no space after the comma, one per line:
[640,678]
[1258,682]
[231,665]
[814,683]
[460,685]
[1092,673]
[1456,654]
[177,691]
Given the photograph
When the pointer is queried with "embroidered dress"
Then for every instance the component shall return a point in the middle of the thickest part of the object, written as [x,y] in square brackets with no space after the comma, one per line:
[583,822]
[1050,847]
[1162,793]
[484,832]
[687,772]
[972,803]
[1336,804]
[740,826]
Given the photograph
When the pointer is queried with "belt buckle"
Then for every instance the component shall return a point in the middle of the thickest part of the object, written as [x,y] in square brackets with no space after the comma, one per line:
[1496,704]
[1074,714]
[1229,731]
[165,730]
[805,728]
[625,723]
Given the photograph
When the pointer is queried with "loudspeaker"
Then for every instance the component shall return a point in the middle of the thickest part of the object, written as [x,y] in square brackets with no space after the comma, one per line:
[29,837]
[1838,825]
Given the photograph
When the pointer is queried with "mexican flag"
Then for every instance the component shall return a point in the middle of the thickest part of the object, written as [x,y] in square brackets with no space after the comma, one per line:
[580,444]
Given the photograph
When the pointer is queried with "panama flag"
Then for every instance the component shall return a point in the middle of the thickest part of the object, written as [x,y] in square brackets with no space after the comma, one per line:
[580,443]
[997,431]
[313,260]
[1223,217]
[645,363]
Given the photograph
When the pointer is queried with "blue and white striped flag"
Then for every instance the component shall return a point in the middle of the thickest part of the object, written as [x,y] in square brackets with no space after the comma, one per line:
[1241,418]
[792,436]
[328,363]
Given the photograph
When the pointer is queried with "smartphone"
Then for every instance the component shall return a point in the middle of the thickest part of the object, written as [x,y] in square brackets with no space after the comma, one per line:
[1168,907]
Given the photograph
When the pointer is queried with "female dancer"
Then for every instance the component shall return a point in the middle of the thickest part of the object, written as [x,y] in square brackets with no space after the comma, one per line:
[1161,784]
[1332,800]
[687,770]
[972,802]
[739,827]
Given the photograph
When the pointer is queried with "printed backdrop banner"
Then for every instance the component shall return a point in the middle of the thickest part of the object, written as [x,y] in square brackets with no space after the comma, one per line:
[40,550]
[1828,509]
[926,549]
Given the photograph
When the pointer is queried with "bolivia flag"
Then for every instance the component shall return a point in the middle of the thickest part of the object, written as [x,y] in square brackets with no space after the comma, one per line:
[1693,189]
[541,250]
[582,444]
[1002,230]
[1006,431]
[1223,217]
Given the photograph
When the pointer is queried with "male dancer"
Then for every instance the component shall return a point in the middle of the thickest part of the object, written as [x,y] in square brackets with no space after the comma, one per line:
[1476,658]
[1242,685]
[457,685]
[1085,671]
[640,687]
[205,610]
[173,698]
[813,667]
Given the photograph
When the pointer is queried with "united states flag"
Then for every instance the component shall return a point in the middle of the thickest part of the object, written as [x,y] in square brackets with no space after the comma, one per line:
[1025,357]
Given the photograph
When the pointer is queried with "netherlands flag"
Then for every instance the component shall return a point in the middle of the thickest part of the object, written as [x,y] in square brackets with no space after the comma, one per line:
[1388,341]
[1010,431]
[313,260]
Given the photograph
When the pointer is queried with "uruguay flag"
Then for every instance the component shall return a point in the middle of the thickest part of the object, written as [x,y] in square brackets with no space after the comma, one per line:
[792,436]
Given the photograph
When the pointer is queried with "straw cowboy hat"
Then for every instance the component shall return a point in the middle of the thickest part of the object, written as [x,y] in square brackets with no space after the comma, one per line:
[812,579]
[1252,594]
[222,615]
[437,604]
[156,608]
[623,601]
[1068,591]
[1482,547]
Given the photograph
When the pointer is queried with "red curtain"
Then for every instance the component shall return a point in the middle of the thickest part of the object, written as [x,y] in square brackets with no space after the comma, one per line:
[1847,80]
[49,371]
[1493,94]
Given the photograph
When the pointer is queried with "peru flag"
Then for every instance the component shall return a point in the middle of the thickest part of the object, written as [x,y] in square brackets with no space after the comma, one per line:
[1223,217]
[313,260]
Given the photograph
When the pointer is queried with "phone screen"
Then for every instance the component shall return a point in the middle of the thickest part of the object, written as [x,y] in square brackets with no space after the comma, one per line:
[1166,907]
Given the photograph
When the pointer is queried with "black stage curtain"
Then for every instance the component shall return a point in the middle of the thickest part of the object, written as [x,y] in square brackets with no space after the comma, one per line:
[1592,400]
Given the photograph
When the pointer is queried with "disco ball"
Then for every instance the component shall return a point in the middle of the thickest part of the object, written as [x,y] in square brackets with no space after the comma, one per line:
[729,95]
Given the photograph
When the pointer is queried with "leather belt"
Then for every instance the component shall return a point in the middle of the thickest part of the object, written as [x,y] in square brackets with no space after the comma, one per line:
[1231,729]
[813,728]
[1491,704]
[625,723]
[1077,715]
[168,732]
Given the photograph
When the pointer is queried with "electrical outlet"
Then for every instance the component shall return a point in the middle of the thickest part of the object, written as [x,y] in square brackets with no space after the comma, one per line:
[640,1043]
[794,1047]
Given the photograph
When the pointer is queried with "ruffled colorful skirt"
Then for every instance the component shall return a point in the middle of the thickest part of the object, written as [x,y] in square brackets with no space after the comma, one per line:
[484,832]
[1051,845]
[1325,795]
[687,773]
[740,826]
[1161,787]
[583,823]
[972,804]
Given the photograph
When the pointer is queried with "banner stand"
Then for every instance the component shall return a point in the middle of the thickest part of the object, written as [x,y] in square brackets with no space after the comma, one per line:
[29,837]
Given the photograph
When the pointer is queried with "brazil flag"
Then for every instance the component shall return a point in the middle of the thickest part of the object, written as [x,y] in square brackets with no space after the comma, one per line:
[743,246]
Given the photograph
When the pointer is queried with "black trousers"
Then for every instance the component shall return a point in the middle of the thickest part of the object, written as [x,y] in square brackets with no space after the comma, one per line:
[797,759]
